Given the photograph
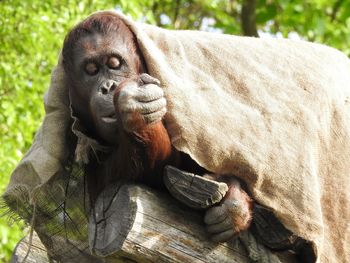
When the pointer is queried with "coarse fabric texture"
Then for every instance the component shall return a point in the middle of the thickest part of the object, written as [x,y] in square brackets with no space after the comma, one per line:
[273,112]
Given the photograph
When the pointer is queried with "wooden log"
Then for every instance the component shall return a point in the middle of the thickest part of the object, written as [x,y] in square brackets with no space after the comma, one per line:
[134,223]
[139,224]
[37,252]
[193,190]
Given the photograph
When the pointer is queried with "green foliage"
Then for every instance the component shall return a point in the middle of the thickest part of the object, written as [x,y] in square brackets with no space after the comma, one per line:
[321,21]
[32,32]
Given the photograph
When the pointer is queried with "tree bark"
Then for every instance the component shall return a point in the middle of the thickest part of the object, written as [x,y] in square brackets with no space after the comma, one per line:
[248,18]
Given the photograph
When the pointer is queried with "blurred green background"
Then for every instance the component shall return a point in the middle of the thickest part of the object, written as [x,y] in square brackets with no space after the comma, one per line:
[32,32]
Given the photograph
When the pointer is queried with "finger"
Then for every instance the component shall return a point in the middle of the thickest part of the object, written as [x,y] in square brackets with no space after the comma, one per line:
[215,215]
[154,116]
[149,92]
[153,106]
[147,79]
[224,236]
[220,227]
[143,107]
[128,91]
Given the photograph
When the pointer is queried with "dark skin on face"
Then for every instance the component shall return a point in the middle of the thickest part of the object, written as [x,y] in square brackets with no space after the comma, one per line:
[101,63]
[122,106]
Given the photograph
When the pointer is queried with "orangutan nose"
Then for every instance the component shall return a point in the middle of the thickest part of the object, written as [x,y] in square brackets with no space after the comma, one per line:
[108,87]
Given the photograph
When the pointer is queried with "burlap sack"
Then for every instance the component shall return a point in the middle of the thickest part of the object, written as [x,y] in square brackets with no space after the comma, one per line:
[276,113]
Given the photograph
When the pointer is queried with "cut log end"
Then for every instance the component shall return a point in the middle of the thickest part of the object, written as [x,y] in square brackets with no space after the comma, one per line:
[111,220]
[194,191]
[37,251]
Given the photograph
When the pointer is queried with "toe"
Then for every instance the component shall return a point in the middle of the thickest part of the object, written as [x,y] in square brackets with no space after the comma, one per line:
[223,226]
[223,236]
[215,215]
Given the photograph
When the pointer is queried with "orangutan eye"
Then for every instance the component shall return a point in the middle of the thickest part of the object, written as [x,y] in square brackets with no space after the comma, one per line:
[91,68]
[113,63]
